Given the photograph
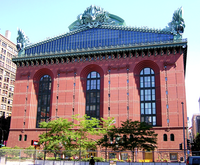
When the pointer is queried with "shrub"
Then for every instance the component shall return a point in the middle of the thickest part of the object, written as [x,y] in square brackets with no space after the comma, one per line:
[5,151]
[53,158]
[114,159]
[15,151]
[29,151]
[165,160]
[40,155]
[120,161]
[96,159]
[99,159]
[85,159]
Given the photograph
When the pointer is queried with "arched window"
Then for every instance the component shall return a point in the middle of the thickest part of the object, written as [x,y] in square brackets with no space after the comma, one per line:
[165,137]
[93,95]
[172,137]
[25,137]
[20,137]
[147,96]
[44,96]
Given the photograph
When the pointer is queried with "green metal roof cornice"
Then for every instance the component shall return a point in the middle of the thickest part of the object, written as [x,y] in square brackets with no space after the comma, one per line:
[103,50]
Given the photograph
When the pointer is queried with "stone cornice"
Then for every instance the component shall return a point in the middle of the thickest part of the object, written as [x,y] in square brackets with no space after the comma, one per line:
[171,49]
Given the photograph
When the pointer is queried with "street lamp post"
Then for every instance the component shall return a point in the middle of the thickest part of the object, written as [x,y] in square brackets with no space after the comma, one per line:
[183,132]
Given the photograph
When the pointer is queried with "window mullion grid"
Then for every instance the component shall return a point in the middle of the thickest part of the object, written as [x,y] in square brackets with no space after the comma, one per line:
[150,101]
[90,100]
[90,92]
[146,98]
[47,84]
[96,97]
[95,104]
[93,89]
[143,95]
[153,101]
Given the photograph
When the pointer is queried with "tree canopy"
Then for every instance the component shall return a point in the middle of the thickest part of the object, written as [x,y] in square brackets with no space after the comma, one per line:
[196,143]
[131,135]
[73,135]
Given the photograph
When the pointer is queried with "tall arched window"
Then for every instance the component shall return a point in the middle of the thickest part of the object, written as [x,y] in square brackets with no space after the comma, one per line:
[25,137]
[172,137]
[165,137]
[44,96]
[20,137]
[147,96]
[93,95]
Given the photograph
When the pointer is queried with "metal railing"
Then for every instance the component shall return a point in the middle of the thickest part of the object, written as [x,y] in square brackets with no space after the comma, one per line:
[103,157]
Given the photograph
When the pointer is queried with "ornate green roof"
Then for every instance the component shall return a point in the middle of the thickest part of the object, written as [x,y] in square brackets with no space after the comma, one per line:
[97,30]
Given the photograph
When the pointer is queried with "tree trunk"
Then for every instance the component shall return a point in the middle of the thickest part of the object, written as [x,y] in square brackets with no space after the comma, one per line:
[132,156]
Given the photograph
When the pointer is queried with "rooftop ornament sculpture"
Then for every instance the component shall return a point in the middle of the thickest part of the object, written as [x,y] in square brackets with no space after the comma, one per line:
[22,42]
[95,16]
[177,25]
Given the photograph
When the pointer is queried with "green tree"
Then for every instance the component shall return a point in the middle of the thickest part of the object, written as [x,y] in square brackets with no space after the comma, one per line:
[57,135]
[87,127]
[131,135]
[76,136]
[196,144]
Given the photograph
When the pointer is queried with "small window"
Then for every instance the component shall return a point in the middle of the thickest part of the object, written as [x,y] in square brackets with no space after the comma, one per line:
[165,137]
[112,155]
[20,137]
[172,137]
[173,156]
[124,156]
[25,137]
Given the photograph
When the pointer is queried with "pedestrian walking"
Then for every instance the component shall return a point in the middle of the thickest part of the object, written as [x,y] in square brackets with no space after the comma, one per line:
[92,162]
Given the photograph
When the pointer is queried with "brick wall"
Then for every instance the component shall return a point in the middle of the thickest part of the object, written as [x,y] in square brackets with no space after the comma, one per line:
[118,90]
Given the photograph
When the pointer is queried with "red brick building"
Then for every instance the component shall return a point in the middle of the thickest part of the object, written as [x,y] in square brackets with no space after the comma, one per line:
[103,68]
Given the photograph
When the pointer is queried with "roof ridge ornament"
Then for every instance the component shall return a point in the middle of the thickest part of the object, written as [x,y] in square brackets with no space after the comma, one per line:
[22,42]
[95,16]
[177,25]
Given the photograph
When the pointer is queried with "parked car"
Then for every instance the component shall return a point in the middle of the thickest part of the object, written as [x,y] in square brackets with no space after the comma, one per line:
[2,145]
[193,160]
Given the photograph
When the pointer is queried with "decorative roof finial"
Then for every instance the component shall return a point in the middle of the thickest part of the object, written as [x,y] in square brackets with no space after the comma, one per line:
[95,16]
[22,41]
[177,25]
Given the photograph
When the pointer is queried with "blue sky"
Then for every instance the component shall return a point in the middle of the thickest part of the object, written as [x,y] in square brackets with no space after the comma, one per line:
[47,18]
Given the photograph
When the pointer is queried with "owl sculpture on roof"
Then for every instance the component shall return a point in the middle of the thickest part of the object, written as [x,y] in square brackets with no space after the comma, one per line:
[177,25]
[95,16]
[22,41]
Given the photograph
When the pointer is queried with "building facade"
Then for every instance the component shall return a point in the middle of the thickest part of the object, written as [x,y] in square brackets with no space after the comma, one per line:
[103,68]
[195,125]
[7,73]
